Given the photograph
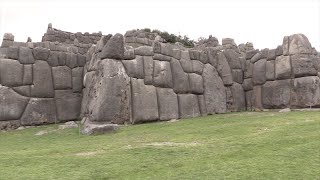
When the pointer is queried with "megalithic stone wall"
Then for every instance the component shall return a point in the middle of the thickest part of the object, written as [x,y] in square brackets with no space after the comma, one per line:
[139,78]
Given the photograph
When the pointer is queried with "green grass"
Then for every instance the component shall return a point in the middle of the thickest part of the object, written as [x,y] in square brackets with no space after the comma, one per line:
[260,145]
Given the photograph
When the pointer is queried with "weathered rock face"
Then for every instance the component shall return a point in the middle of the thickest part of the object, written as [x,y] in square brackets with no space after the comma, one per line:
[283,67]
[114,49]
[276,94]
[188,106]
[168,104]
[296,44]
[259,72]
[306,92]
[42,80]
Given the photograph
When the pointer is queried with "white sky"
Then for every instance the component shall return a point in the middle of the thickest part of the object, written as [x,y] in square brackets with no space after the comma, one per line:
[262,22]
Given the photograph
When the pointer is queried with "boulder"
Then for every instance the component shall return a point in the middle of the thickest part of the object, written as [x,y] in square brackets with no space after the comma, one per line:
[148,70]
[224,70]
[12,104]
[68,105]
[271,54]
[39,111]
[129,54]
[166,49]
[11,73]
[248,69]
[144,102]
[257,98]
[144,51]
[202,105]
[197,66]
[297,44]
[251,53]
[188,106]
[256,57]
[168,104]
[62,77]
[214,90]
[270,70]
[53,59]
[238,95]
[109,83]
[305,92]
[259,72]
[77,79]
[114,49]
[179,77]
[12,53]
[237,75]
[247,84]
[162,76]
[90,128]
[303,65]
[276,94]
[42,80]
[8,36]
[25,55]
[232,58]
[185,62]
[134,68]
[282,67]
[196,83]
[40,53]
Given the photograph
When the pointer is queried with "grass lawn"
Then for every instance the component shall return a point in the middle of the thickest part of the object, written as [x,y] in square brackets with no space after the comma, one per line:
[247,145]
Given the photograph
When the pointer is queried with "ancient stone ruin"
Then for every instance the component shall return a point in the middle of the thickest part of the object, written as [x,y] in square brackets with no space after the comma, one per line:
[107,80]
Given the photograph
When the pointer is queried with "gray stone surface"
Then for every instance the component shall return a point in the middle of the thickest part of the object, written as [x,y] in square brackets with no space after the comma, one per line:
[12,104]
[148,70]
[188,106]
[197,66]
[180,78]
[305,92]
[224,70]
[248,70]
[271,54]
[238,95]
[71,60]
[25,55]
[194,54]
[53,59]
[185,62]
[282,67]
[276,94]
[161,57]
[251,53]
[42,80]
[62,78]
[68,105]
[96,129]
[303,65]
[299,44]
[23,90]
[232,58]
[40,53]
[196,83]
[270,70]
[237,75]
[39,111]
[214,90]
[259,72]
[12,53]
[77,79]
[144,102]
[134,68]
[202,105]
[114,49]
[247,84]
[162,76]
[144,51]
[213,57]
[256,57]
[257,98]
[168,104]
[11,73]
[129,54]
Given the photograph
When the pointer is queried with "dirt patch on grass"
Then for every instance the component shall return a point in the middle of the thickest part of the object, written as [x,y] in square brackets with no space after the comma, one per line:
[89,153]
[173,144]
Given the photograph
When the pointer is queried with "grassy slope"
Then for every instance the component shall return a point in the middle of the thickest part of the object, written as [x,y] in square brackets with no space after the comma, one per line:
[266,145]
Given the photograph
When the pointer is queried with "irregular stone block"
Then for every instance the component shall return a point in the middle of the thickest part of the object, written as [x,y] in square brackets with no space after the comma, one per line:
[196,83]
[27,75]
[6,43]
[197,66]
[39,111]
[248,70]
[8,36]
[299,44]
[129,54]
[134,68]
[251,53]
[81,60]
[232,58]
[264,53]
[148,70]
[77,79]
[144,51]
[114,49]
[166,49]
[214,90]
[168,104]
[62,77]
[176,53]
[71,60]
[62,58]
[202,105]
[249,100]
[276,94]
[188,106]
[180,78]
[305,92]
[237,75]
[40,53]
[303,65]
[224,69]
[157,47]
[204,58]
[256,57]
[162,76]
[238,102]
[270,70]
[213,57]
[145,106]
[10,125]
[259,72]
[194,54]
[68,105]
[53,59]
[279,51]
[11,73]
[12,104]
[283,67]
[161,57]
[247,84]
[42,80]
[25,55]
[271,54]
[23,90]
[12,53]
[257,98]
[186,62]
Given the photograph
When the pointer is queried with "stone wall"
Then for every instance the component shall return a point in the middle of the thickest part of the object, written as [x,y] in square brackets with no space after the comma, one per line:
[138,78]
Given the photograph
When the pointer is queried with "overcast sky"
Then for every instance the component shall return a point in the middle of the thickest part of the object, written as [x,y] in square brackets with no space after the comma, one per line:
[262,22]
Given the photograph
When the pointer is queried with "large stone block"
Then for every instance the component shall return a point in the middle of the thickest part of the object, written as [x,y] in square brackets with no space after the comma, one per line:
[53,59]
[213,57]
[42,80]
[276,94]
[77,79]
[12,104]
[148,70]
[62,77]
[247,84]
[271,54]
[303,65]
[257,98]
[305,92]
[25,55]
[202,105]
[134,68]
[233,58]
[72,60]
[259,72]
[214,90]
[39,111]
[23,90]
[270,70]
[249,100]
[180,78]
[248,69]
[161,57]
[282,67]
[162,76]
[185,62]
[194,54]
[237,75]
[144,51]
[297,44]
[114,49]
[188,106]
[144,102]
[166,49]
[11,73]
[107,94]
[224,70]
[238,95]
[197,66]
[68,105]
[196,83]
[251,53]
[168,104]
[40,53]
[12,53]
